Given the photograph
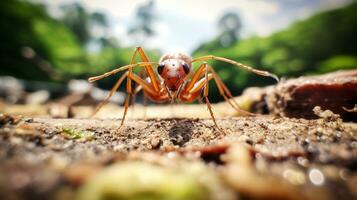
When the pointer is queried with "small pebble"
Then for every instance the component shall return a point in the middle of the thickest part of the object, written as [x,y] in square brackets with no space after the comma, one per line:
[156,143]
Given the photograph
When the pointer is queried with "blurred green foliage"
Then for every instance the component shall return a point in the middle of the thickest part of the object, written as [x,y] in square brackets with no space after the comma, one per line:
[143,29]
[33,45]
[322,43]
[36,46]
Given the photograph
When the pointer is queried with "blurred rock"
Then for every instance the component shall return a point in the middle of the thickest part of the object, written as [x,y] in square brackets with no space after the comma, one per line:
[56,110]
[84,93]
[79,86]
[11,89]
[38,97]
[297,98]
[100,95]
[81,93]
[256,96]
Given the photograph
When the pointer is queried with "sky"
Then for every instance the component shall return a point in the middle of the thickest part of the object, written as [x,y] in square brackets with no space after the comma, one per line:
[182,25]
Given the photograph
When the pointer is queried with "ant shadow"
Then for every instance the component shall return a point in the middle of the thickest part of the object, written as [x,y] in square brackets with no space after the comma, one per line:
[181,131]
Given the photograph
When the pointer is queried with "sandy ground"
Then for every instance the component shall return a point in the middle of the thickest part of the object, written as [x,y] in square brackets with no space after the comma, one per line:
[285,158]
[175,152]
[137,111]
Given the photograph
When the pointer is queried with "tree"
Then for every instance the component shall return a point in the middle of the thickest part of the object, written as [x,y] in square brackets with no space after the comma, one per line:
[83,23]
[77,19]
[231,25]
[34,45]
[142,29]
[322,43]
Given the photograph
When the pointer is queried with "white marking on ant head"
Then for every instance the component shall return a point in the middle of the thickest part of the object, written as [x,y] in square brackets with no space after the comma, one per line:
[172,67]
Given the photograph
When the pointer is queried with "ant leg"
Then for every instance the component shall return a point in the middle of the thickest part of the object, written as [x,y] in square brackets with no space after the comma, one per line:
[132,103]
[127,98]
[153,87]
[137,89]
[251,69]
[133,100]
[148,88]
[193,89]
[119,69]
[153,78]
[145,98]
[111,93]
[149,70]
[128,89]
[145,104]
[223,90]
[205,94]
[146,63]
[227,95]
[142,75]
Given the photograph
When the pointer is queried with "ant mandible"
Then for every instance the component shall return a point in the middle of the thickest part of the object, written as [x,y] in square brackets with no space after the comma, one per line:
[173,82]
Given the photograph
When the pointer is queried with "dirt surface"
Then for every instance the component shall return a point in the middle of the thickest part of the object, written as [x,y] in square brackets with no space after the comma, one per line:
[137,111]
[161,152]
[255,158]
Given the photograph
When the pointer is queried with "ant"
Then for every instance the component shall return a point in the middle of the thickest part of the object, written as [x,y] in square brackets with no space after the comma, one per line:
[172,82]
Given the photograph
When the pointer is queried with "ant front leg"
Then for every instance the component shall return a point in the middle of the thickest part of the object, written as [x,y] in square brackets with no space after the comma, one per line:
[145,98]
[227,95]
[151,88]
[145,86]
[111,93]
[149,70]
[153,85]
[142,74]
[194,87]
[117,84]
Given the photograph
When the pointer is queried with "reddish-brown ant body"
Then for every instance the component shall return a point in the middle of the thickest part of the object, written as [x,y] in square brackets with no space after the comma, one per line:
[173,82]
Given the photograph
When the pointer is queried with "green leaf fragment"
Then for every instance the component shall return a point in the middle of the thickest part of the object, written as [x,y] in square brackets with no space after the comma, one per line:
[140,180]
[78,134]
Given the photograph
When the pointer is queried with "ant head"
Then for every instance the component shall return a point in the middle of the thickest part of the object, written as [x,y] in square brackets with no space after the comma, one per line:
[173,71]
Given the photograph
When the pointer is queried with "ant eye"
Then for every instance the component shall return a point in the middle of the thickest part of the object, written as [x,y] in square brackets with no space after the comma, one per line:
[186,68]
[160,68]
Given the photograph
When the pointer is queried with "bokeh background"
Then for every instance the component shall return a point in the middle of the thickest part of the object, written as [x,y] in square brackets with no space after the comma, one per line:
[50,45]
